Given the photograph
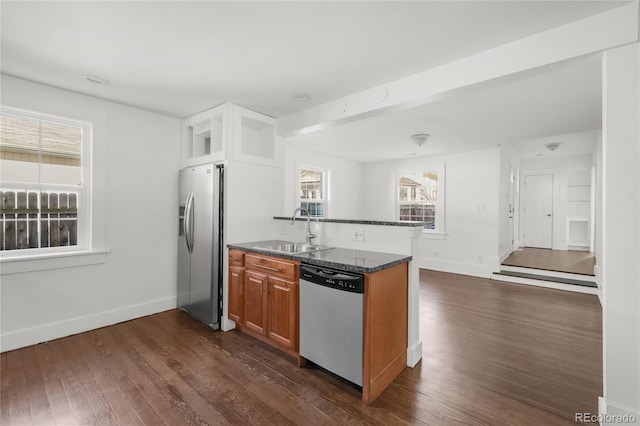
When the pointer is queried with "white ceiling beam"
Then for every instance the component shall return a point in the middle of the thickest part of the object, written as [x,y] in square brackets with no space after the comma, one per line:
[597,33]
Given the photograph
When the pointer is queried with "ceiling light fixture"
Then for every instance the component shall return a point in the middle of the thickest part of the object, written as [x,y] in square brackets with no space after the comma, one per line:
[552,146]
[301,97]
[420,138]
[95,79]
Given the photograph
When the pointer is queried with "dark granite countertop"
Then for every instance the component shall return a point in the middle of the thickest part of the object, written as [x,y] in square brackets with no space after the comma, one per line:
[351,260]
[359,222]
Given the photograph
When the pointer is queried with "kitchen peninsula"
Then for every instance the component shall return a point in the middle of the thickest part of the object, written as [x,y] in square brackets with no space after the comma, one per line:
[264,301]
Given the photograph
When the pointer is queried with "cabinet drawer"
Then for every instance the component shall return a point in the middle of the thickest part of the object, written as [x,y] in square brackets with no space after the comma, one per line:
[236,258]
[272,266]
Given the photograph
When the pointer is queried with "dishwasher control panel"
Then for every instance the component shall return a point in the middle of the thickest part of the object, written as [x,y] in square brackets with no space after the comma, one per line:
[333,278]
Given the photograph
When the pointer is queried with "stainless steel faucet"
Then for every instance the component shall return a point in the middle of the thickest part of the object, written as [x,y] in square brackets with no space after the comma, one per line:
[310,235]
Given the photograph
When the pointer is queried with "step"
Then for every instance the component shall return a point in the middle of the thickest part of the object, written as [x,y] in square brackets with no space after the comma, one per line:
[547,273]
[545,282]
[557,278]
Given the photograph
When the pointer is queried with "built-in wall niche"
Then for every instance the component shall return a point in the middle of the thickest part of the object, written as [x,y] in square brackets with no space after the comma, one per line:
[214,134]
[257,137]
[203,137]
[578,209]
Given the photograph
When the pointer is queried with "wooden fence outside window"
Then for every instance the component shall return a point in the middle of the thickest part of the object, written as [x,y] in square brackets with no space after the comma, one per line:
[32,219]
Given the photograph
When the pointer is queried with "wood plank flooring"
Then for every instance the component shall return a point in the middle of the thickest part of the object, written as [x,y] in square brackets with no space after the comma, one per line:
[570,261]
[494,354]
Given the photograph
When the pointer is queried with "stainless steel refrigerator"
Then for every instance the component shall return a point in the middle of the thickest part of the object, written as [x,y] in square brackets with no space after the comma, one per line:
[200,242]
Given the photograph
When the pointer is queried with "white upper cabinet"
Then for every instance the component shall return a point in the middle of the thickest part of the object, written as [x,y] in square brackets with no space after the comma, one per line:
[213,135]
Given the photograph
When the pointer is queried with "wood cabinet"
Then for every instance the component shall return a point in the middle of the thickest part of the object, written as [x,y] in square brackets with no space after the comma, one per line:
[235,299]
[264,303]
[255,301]
[385,329]
[236,294]
[282,314]
[263,298]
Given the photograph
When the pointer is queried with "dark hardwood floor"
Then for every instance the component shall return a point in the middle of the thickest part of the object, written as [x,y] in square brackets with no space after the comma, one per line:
[494,354]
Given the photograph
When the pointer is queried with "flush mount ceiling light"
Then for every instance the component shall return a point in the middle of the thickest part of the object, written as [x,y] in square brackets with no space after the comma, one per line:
[552,146]
[420,138]
[301,97]
[95,79]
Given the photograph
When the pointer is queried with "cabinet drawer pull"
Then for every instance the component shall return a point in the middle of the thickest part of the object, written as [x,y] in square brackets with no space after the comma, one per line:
[266,267]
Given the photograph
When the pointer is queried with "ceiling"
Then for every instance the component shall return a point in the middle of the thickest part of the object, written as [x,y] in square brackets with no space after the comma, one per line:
[180,58]
[537,108]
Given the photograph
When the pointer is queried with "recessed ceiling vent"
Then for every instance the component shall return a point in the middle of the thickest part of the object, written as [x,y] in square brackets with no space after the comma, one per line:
[301,97]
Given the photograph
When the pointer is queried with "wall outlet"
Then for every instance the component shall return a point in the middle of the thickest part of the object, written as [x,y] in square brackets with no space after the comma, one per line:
[358,235]
[284,230]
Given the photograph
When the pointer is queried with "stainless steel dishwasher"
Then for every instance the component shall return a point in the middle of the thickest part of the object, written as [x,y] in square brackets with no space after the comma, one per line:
[332,320]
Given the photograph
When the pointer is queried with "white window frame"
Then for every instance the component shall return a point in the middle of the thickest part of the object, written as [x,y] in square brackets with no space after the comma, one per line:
[440,204]
[84,218]
[325,189]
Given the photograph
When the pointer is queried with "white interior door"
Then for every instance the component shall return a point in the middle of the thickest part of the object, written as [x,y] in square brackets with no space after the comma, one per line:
[538,211]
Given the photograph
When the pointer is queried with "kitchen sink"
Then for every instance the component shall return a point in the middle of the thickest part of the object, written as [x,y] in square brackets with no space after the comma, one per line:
[292,248]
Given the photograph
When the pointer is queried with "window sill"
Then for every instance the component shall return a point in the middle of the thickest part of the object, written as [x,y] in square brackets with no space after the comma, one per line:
[46,261]
[433,235]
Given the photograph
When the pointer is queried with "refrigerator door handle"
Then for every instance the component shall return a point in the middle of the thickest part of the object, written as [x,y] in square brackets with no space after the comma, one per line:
[188,222]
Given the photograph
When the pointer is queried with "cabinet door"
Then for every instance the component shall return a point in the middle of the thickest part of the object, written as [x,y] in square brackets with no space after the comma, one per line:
[255,301]
[283,312]
[236,294]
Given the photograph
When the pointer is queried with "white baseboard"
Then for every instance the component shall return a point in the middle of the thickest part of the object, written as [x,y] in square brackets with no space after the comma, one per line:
[596,270]
[610,414]
[463,268]
[31,336]
[227,324]
[504,255]
[602,406]
[414,354]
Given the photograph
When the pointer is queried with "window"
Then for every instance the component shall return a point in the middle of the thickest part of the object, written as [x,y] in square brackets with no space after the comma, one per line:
[43,183]
[420,199]
[313,191]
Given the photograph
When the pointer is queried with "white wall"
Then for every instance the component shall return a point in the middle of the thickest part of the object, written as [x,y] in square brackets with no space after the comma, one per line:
[472,182]
[598,212]
[621,229]
[253,196]
[345,181]
[560,168]
[136,158]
